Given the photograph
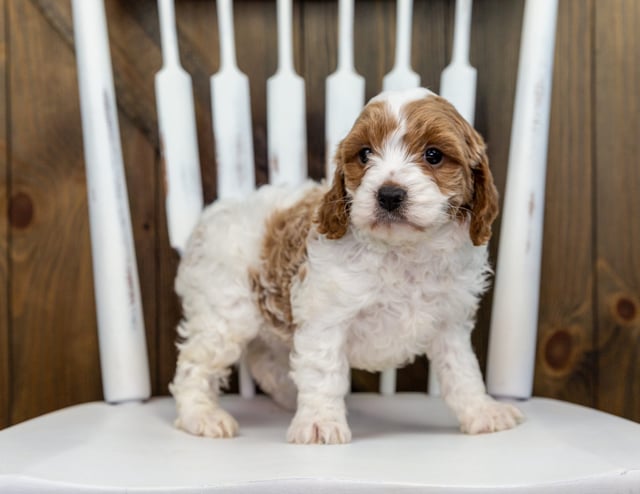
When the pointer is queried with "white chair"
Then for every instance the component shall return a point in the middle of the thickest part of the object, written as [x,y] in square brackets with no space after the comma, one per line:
[402,442]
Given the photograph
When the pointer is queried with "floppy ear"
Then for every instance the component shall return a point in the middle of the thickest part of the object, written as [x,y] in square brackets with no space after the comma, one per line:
[333,217]
[484,206]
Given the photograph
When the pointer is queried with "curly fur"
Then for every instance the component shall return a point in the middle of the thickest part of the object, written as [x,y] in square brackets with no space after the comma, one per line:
[314,280]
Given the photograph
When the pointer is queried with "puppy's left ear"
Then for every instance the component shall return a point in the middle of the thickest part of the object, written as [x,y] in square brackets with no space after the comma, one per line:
[484,206]
[333,216]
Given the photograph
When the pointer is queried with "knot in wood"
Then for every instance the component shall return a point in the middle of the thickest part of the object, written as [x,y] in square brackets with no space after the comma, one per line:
[626,309]
[557,352]
[20,210]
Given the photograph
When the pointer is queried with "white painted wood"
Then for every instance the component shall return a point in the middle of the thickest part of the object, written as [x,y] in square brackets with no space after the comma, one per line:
[433,386]
[401,75]
[123,353]
[514,321]
[344,88]
[388,382]
[408,442]
[286,124]
[231,103]
[458,79]
[405,443]
[178,137]
[458,85]
[233,134]
[246,386]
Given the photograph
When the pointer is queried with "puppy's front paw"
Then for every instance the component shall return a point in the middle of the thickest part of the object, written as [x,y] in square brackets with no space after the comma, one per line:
[207,421]
[319,431]
[490,416]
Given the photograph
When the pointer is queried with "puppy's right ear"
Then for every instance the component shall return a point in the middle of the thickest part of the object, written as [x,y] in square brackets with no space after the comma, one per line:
[333,215]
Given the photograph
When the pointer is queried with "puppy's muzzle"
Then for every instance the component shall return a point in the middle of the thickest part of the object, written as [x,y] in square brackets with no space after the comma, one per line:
[391,197]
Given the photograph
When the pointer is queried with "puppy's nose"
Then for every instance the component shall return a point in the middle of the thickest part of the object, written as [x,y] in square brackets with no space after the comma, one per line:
[390,197]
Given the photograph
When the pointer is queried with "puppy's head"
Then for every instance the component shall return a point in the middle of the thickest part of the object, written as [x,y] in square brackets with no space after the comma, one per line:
[410,163]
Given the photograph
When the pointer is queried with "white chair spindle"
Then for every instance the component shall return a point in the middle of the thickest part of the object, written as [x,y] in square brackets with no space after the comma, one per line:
[233,134]
[94,447]
[400,77]
[231,109]
[123,352]
[178,137]
[286,123]
[514,319]
[458,86]
[344,88]
[458,79]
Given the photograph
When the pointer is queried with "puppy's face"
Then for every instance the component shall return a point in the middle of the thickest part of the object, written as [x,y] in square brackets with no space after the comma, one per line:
[409,164]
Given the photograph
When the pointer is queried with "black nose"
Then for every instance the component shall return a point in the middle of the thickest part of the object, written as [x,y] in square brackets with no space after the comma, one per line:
[390,197]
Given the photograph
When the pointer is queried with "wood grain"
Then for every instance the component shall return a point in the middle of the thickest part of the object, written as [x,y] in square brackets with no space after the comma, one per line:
[134,34]
[130,84]
[617,147]
[320,40]
[432,40]
[589,324]
[256,40]
[565,367]
[432,36]
[197,34]
[374,31]
[495,29]
[135,70]
[5,377]
[53,342]
[131,90]
[372,23]
[256,48]
[143,177]
[168,307]
[198,38]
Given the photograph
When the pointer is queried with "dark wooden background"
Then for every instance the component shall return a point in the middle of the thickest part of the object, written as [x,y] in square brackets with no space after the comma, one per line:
[589,331]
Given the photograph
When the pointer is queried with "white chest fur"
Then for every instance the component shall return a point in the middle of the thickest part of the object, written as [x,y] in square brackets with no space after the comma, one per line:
[389,300]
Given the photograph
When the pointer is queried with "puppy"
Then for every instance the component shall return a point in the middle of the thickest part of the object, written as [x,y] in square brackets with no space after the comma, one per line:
[388,262]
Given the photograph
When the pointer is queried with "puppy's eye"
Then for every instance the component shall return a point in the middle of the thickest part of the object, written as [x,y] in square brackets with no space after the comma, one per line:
[363,154]
[433,156]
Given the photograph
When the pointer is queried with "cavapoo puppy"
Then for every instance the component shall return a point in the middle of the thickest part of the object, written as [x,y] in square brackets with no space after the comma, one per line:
[385,263]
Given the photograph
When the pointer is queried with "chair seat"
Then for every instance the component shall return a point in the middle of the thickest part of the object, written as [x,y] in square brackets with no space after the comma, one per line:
[406,441]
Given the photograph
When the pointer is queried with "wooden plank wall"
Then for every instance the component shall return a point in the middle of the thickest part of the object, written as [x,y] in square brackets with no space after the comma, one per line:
[565,366]
[4,230]
[617,198]
[589,331]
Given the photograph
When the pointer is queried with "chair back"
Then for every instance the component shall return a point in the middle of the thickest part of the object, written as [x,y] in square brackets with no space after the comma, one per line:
[121,329]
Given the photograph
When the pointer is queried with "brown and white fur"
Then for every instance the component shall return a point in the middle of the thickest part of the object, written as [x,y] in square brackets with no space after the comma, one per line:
[386,264]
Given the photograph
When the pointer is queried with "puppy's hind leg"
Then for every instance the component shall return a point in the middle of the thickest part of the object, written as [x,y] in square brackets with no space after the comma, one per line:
[269,366]
[210,347]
